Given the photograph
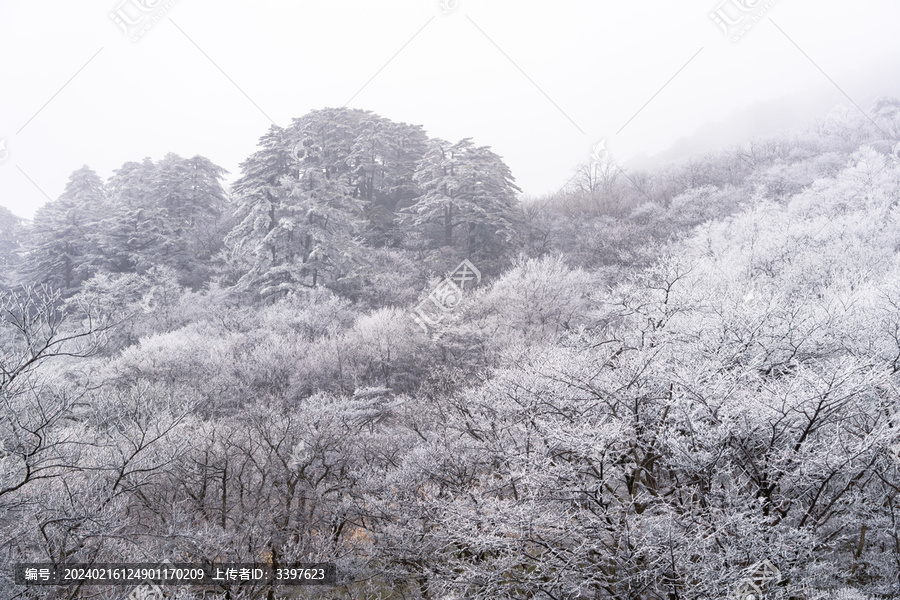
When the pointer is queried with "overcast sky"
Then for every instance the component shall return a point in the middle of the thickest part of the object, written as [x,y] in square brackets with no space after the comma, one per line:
[540,82]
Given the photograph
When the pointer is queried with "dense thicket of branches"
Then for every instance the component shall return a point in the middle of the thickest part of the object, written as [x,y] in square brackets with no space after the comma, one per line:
[663,380]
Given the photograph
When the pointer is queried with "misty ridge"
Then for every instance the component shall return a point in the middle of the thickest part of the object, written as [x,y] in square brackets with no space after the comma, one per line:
[373,349]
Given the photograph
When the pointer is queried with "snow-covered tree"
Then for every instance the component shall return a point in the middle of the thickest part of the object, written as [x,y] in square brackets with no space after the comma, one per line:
[62,249]
[468,198]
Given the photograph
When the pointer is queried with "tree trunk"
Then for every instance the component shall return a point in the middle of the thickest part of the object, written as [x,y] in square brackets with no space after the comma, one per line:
[448,225]
[271,221]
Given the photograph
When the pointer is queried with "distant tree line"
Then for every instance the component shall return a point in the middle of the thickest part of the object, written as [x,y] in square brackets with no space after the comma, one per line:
[310,205]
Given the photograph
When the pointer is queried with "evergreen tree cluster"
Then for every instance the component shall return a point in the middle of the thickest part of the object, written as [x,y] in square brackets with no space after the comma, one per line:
[311,206]
[150,214]
[320,194]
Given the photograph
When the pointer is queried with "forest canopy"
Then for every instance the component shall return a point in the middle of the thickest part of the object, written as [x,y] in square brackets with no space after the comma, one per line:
[661,381]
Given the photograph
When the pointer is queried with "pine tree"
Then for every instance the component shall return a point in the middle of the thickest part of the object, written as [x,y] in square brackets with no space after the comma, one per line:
[304,197]
[189,200]
[383,161]
[468,198]
[134,230]
[163,214]
[254,244]
[63,248]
